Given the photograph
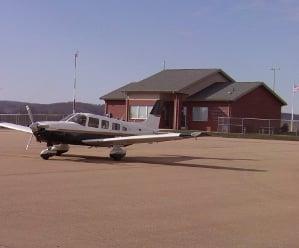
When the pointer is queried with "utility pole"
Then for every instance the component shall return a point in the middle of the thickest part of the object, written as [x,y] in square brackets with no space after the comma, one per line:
[75,81]
[164,64]
[274,69]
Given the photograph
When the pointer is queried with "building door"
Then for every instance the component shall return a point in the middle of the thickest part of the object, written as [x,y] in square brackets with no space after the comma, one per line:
[166,116]
[184,118]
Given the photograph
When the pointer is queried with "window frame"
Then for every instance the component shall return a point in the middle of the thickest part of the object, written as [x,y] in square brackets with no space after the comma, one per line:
[200,119]
[105,126]
[97,122]
[76,117]
[115,126]
[148,109]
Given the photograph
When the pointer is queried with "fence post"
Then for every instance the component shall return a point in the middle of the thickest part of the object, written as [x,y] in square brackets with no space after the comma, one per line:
[243,126]
[269,127]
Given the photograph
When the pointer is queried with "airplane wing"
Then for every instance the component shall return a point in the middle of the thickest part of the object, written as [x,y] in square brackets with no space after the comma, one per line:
[137,139]
[16,127]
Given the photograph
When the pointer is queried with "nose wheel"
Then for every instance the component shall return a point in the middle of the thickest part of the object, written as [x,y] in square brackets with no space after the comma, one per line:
[55,150]
[45,156]
[47,153]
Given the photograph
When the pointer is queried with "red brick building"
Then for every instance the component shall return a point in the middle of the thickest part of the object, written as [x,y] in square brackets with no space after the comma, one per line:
[193,99]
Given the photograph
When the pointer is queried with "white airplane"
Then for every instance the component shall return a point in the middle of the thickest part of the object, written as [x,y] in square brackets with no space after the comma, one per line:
[96,131]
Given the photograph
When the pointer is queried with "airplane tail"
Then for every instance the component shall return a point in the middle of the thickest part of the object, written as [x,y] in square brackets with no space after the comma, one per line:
[153,119]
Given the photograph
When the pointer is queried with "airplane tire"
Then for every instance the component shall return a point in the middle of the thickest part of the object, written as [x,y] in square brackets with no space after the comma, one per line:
[45,156]
[116,157]
[59,153]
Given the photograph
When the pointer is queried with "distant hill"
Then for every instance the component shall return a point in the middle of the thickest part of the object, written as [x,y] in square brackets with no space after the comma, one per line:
[12,107]
[288,116]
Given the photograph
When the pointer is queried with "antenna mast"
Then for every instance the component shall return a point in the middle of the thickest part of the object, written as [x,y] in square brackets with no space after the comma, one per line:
[274,69]
[75,81]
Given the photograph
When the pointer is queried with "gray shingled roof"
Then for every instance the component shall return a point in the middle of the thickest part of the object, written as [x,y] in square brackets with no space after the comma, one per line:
[172,80]
[118,94]
[229,91]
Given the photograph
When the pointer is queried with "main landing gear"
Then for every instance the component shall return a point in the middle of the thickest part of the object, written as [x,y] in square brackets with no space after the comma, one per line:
[54,150]
[117,153]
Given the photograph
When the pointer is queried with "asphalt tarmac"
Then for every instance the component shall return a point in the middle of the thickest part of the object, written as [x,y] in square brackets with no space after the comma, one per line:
[209,192]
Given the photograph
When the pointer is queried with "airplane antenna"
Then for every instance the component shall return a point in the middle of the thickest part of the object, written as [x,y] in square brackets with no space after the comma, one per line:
[75,81]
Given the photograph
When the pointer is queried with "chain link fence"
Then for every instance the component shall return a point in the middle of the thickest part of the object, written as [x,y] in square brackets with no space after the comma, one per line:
[23,119]
[255,125]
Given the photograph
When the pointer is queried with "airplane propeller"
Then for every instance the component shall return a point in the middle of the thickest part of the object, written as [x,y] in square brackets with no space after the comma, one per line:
[29,141]
[32,121]
[29,114]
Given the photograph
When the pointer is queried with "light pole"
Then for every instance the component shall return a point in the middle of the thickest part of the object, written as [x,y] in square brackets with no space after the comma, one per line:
[274,69]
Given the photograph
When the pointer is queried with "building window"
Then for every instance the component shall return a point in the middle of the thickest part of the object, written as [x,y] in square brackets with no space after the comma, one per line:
[105,124]
[140,112]
[115,126]
[200,113]
[124,128]
[93,122]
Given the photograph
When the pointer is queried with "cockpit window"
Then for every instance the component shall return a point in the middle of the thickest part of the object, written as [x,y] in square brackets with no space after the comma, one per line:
[93,122]
[67,117]
[80,119]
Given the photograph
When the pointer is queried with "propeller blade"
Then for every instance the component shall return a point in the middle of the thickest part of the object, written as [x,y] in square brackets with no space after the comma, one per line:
[29,142]
[30,114]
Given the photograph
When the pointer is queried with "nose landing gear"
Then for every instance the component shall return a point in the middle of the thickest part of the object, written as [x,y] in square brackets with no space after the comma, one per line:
[54,150]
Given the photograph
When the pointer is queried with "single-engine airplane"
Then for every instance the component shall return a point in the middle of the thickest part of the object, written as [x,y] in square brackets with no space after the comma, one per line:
[96,131]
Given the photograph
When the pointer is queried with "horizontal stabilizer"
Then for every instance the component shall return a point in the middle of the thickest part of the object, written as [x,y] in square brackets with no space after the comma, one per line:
[16,127]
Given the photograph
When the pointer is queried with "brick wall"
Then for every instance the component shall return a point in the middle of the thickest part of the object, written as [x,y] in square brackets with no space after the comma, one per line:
[259,103]
[216,109]
[117,108]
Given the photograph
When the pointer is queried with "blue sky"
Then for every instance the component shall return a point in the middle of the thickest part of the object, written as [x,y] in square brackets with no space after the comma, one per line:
[124,41]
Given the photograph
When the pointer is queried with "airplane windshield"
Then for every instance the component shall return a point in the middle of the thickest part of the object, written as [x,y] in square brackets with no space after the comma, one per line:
[78,118]
[67,117]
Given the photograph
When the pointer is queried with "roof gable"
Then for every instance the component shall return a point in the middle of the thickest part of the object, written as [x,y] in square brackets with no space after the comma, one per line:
[230,92]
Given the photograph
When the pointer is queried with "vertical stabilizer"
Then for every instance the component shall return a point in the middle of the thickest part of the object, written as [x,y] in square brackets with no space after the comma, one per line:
[153,120]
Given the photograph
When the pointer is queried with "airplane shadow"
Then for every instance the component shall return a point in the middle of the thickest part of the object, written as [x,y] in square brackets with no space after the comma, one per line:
[167,160]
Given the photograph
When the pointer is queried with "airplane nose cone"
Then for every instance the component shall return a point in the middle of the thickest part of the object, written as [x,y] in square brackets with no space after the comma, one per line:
[34,127]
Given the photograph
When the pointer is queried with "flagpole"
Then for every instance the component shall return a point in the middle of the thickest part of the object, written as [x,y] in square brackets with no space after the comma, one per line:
[292,121]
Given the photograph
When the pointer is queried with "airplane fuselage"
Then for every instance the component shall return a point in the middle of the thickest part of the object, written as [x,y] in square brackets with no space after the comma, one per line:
[71,131]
